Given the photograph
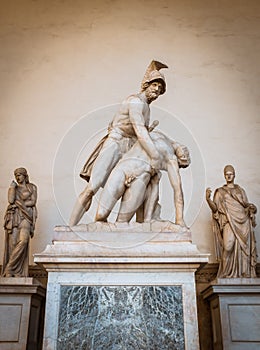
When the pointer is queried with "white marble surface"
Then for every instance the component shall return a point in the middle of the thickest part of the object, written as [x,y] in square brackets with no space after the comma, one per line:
[120,245]
[122,235]
[151,226]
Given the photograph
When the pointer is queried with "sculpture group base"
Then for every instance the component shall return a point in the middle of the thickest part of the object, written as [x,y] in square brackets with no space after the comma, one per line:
[235,312]
[121,290]
[21,313]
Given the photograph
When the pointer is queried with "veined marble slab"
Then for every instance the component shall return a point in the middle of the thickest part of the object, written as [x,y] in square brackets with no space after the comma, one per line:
[121,317]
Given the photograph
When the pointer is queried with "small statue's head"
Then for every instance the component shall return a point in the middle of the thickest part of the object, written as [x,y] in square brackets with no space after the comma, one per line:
[23,172]
[229,168]
[183,156]
[229,173]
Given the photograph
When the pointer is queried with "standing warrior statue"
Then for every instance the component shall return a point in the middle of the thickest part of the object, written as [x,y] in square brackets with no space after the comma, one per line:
[19,225]
[130,123]
[233,223]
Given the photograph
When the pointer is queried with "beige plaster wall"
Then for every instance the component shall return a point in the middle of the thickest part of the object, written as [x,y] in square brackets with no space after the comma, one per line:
[60,60]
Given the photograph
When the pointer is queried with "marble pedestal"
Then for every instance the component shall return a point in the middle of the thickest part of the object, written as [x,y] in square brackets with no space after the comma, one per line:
[235,312]
[121,287]
[22,302]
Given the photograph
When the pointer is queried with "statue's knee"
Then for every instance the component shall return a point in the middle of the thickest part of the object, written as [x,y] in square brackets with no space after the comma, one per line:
[229,245]
[228,249]
[24,236]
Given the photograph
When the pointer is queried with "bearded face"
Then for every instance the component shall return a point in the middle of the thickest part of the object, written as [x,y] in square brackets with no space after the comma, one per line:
[153,91]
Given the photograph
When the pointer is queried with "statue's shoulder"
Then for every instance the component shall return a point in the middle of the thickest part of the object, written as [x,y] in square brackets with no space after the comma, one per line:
[134,98]
[241,191]
[239,188]
[32,186]
[221,191]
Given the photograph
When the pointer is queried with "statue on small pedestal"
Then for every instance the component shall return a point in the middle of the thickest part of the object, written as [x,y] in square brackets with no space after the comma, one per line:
[233,228]
[19,225]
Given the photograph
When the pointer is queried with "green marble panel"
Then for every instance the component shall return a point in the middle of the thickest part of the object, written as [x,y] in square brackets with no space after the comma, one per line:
[121,318]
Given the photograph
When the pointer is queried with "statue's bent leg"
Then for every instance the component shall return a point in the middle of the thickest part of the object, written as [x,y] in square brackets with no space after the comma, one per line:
[114,189]
[106,160]
[150,205]
[133,198]
[151,197]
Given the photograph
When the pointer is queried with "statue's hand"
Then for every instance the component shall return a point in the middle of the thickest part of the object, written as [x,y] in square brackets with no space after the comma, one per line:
[153,125]
[208,193]
[252,208]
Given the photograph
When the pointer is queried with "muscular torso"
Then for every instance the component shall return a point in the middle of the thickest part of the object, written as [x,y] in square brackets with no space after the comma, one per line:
[123,120]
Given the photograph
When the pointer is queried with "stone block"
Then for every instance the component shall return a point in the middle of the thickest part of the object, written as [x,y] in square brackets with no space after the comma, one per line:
[235,312]
[22,302]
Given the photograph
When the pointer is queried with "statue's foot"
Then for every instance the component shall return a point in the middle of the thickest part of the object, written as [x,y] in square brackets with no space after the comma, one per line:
[8,275]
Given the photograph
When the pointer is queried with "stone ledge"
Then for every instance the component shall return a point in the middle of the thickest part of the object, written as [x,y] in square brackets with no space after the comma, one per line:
[25,281]
[133,227]
[232,286]
[21,285]
[236,281]
[122,235]
[134,245]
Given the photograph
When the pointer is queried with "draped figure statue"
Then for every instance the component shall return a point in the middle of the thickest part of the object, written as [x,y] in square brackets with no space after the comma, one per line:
[233,228]
[19,225]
